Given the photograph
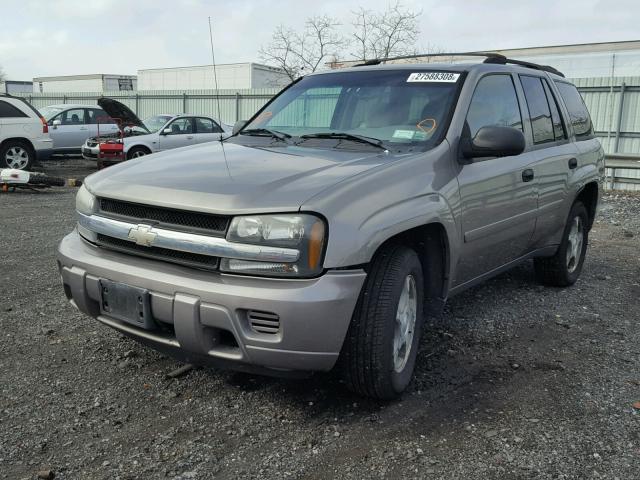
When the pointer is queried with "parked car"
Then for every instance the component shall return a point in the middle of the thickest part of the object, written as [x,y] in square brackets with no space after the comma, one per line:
[349,208]
[24,134]
[70,125]
[156,133]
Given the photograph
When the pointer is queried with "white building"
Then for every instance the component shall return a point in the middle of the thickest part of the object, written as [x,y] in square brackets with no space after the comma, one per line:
[101,82]
[231,76]
[13,87]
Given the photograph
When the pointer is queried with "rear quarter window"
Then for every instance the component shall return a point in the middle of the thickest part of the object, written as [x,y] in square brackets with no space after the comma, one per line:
[9,111]
[578,114]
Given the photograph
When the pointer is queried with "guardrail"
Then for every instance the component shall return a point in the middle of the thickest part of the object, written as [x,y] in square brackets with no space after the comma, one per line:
[615,162]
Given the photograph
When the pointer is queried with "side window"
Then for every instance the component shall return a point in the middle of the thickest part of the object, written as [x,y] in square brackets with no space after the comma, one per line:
[181,126]
[96,115]
[73,117]
[578,113]
[494,103]
[206,125]
[539,112]
[9,111]
[558,126]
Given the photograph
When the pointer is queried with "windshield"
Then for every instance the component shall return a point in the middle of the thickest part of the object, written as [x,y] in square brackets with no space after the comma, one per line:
[401,108]
[155,123]
[49,112]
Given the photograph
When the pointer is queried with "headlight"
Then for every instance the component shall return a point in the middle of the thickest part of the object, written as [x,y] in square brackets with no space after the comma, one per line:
[85,201]
[304,232]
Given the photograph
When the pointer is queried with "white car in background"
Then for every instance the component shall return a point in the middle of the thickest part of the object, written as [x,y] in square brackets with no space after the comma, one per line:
[24,134]
[156,133]
[70,125]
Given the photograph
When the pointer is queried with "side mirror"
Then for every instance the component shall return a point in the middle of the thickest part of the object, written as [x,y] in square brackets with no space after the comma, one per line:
[56,123]
[494,141]
[166,131]
[239,125]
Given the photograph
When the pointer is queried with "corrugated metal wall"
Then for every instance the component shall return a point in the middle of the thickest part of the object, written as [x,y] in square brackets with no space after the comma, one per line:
[234,104]
[615,111]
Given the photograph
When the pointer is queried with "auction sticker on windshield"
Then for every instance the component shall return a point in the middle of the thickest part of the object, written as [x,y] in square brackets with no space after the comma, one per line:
[447,77]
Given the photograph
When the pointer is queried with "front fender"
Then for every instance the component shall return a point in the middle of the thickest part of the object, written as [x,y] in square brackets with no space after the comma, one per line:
[366,211]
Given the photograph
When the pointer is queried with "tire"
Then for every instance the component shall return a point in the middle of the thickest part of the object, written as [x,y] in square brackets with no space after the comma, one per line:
[136,152]
[563,269]
[41,179]
[367,361]
[17,154]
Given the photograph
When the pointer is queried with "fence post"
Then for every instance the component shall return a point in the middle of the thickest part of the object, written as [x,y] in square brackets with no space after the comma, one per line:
[64,99]
[619,122]
[237,107]
[184,102]
[137,105]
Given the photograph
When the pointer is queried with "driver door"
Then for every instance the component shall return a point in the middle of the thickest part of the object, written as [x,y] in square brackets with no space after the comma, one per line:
[498,196]
[179,133]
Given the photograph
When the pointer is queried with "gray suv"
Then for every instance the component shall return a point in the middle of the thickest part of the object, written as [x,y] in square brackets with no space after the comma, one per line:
[343,213]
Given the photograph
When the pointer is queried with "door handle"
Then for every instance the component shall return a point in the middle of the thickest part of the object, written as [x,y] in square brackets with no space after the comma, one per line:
[190,137]
[573,163]
[527,175]
[84,128]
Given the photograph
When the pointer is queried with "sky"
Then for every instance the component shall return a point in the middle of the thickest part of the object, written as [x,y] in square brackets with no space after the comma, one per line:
[73,37]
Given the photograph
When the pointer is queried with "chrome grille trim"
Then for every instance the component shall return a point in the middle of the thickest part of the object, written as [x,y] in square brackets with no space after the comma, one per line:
[187,242]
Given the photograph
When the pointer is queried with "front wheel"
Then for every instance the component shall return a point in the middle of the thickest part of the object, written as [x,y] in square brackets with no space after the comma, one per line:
[137,152]
[379,353]
[563,269]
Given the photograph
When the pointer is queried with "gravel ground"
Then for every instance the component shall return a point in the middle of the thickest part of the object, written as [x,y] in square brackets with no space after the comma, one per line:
[515,381]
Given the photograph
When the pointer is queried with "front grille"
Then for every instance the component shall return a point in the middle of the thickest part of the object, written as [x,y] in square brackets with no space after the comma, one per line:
[264,322]
[206,223]
[157,253]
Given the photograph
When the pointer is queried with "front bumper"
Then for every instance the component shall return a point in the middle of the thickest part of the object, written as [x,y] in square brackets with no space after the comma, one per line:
[198,310]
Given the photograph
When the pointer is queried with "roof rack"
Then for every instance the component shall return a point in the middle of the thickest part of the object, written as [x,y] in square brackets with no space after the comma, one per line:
[490,57]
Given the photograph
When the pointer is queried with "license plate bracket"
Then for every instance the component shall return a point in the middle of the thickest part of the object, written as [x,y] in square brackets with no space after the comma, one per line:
[126,303]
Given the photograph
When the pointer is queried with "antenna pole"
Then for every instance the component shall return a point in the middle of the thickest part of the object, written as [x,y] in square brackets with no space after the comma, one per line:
[215,75]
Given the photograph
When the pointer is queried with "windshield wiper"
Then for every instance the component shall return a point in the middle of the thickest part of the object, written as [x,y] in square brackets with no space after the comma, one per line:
[347,136]
[262,132]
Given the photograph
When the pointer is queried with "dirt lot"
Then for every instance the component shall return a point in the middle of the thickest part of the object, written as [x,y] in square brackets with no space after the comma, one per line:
[515,381]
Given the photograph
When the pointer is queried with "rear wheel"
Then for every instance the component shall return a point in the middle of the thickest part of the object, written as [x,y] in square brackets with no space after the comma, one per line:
[16,154]
[136,152]
[379,353]
[563,269]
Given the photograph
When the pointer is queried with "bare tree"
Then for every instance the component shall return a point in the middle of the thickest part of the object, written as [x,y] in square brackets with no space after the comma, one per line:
[393,32]
[3,76]
[303,52]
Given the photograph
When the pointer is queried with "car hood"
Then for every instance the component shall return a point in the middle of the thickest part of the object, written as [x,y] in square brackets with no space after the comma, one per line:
[118,111]
[231,178]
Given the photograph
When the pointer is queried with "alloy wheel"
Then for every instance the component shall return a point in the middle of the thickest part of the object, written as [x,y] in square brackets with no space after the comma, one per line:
[406,315]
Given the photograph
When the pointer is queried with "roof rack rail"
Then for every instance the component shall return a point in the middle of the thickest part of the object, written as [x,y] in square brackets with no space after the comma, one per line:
[490,57]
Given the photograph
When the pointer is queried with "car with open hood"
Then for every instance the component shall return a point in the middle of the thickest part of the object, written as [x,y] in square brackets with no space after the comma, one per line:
[155,133]
[344,213]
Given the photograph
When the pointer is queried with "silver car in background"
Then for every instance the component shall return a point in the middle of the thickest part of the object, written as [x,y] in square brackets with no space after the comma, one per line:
[156,133]
[70,125]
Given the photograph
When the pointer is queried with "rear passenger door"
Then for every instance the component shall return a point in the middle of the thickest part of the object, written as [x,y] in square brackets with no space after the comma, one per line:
[206,130]
[555,157]
[99,122]
[498,195]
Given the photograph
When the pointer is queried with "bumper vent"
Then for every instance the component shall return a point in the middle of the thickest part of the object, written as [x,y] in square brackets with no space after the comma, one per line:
[264,322]
[204,223]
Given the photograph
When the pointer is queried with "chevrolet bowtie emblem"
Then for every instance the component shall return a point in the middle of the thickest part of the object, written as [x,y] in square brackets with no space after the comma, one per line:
[142,235]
